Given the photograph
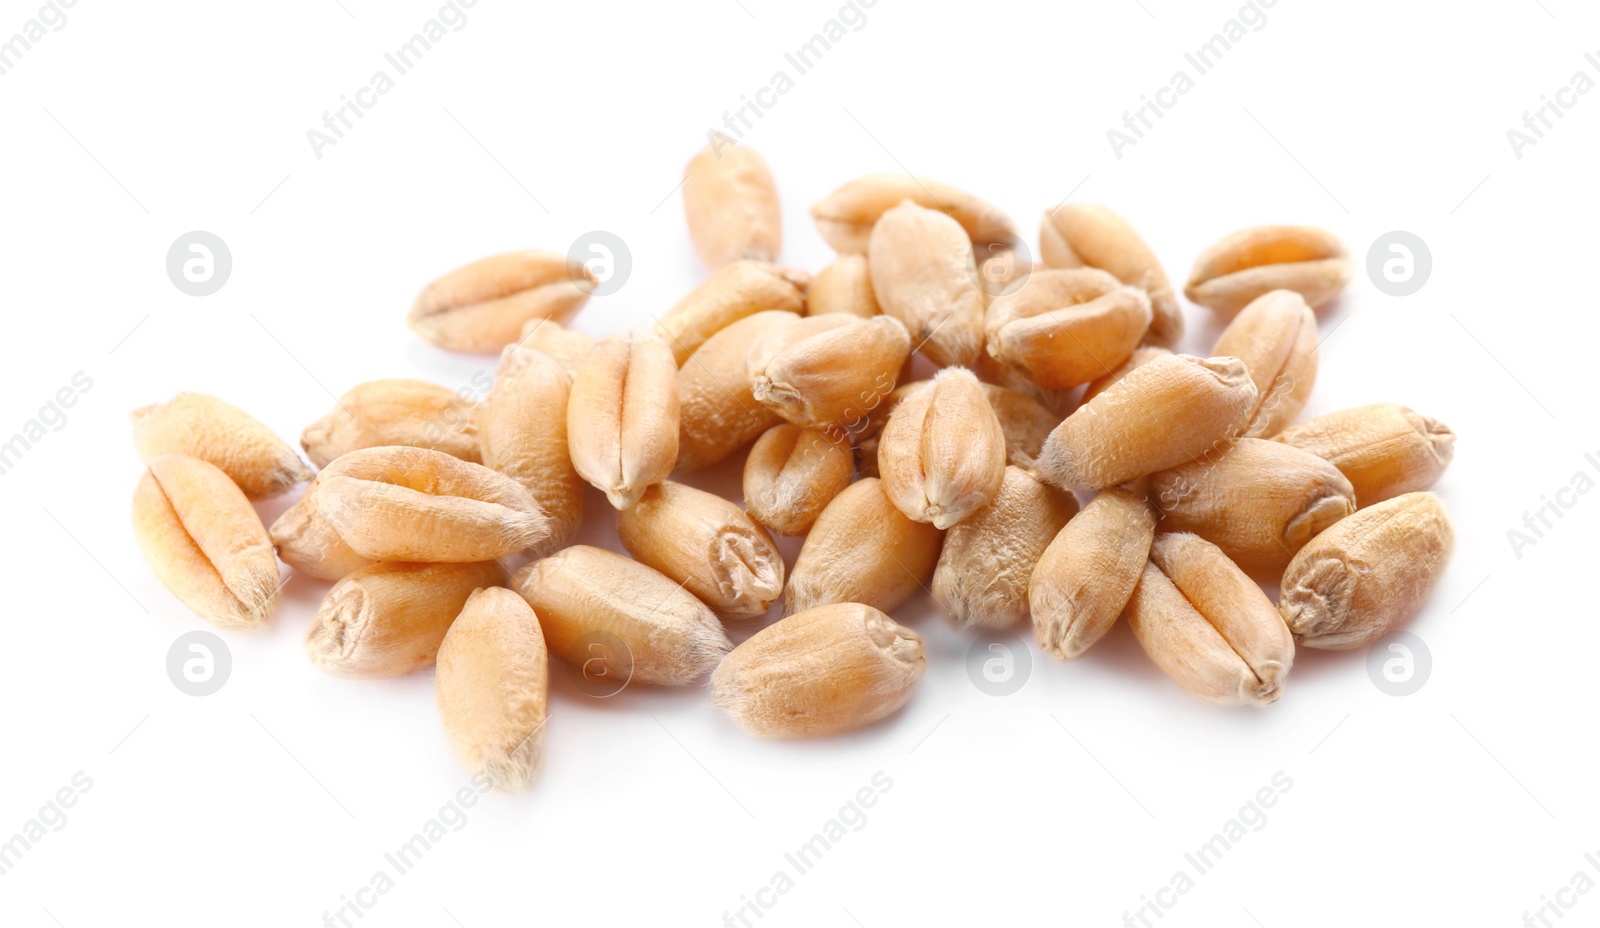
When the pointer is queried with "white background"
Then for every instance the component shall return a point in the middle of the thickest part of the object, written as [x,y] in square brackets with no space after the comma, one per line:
[1066,803]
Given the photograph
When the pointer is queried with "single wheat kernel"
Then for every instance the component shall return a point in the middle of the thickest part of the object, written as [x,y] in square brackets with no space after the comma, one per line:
[1024,422]
[484,305]
[942,454]
[622,417]
[200,426]
[1276,338]
[1086,575]
[394,412]
[413,504]
[522,433]
[614,617]
[1233,272]
[305,541]
[1171,410]
[717,412]
[845,286]
[827,670]
[493,689]
[388,619]
[714,548]
[826,371]
[981,580]
[924,275]
[1087,235]
[1384,449]
[846,217]
[205,542]
[731,293]
[1368,573]
[1208,626]
[1259,501]
[792,474]
[864,550]
[731,204]
[1065,328]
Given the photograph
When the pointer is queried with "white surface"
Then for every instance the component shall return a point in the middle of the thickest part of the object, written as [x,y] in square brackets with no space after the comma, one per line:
[1067,803]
